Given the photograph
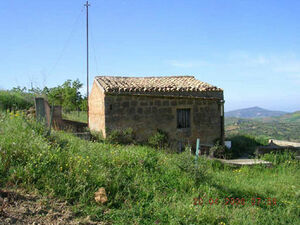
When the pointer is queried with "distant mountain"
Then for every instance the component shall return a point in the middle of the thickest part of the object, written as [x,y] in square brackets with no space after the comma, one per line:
[253,112]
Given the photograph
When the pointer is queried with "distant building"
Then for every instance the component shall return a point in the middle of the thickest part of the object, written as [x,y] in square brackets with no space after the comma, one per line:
[182,106]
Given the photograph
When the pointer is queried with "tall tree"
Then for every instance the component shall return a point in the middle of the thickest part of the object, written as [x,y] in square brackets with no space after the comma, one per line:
[67,95]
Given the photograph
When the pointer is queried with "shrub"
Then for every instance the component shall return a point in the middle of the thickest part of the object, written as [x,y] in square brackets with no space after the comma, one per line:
[159,139]
[97,136]
[220,151]
[279,157]
[10,100]
[125,136]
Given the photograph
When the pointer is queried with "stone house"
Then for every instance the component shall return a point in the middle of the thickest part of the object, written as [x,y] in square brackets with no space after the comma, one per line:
[182,106]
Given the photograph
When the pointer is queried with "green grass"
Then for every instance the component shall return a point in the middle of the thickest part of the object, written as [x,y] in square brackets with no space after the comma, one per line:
[80,116]
[144,185]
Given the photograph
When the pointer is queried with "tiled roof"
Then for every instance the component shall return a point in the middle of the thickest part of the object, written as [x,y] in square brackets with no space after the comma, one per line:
[154,84]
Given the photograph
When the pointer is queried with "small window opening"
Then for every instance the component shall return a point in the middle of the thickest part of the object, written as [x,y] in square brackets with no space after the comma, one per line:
[183,118]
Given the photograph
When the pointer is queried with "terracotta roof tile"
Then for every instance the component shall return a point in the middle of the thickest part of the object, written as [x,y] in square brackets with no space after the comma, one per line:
[154,84]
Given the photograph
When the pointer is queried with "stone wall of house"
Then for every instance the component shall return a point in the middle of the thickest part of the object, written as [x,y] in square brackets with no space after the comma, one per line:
[146,114]
[97,109]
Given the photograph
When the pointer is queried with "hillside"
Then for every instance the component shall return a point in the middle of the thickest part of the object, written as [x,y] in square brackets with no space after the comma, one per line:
[285,127]
[286,118]
[253,112]
[143,185]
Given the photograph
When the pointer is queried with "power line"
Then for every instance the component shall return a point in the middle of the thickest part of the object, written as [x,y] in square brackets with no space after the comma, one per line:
[74,26]
[94,50]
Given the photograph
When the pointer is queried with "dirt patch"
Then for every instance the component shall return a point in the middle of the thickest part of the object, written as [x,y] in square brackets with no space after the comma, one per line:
[20,207]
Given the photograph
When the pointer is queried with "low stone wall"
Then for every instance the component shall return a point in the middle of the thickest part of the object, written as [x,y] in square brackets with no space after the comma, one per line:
[43,113]
[284,143]
[261,150]
[69,125]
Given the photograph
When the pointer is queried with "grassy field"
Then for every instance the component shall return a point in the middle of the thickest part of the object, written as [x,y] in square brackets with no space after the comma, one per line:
[145,185]
[80,116]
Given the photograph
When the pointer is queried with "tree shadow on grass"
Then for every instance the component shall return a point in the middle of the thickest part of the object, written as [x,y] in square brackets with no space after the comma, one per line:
[245,144]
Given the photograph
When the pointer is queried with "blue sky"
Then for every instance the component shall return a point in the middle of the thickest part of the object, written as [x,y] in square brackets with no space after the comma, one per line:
[251,49]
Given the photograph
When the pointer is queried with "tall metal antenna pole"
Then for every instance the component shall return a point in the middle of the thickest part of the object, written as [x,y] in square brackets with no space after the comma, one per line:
[87,57]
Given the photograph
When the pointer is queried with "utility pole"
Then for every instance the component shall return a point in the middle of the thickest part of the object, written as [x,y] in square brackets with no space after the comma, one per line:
[87,57]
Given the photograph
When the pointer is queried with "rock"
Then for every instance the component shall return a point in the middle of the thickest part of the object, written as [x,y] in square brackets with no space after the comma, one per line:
[100,196]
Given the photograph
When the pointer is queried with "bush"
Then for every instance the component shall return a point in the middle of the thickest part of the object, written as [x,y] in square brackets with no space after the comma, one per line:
[10,100]
[96,136]
[121,136]
[279,157]
[220,151]
[159,139]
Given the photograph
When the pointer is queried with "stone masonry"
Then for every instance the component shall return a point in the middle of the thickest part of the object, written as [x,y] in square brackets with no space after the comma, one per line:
[147,112]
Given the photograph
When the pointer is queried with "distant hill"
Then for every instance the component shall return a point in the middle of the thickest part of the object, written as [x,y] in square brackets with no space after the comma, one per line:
[286,118]
[253,112]
[285,127]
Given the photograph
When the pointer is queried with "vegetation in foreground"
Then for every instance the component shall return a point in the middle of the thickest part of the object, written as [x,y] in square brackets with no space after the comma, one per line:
[144,185]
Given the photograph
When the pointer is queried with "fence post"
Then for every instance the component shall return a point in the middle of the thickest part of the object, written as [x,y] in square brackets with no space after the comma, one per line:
[197,149]
[51,119]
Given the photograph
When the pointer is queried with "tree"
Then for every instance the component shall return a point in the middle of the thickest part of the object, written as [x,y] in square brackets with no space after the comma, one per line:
[67,95]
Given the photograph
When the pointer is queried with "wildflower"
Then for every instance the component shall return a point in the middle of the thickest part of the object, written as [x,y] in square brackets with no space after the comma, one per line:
[222,223]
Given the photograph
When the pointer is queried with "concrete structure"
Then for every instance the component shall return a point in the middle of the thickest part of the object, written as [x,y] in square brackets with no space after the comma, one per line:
[182,106]
[244,162]
[279,146]
[284,143]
